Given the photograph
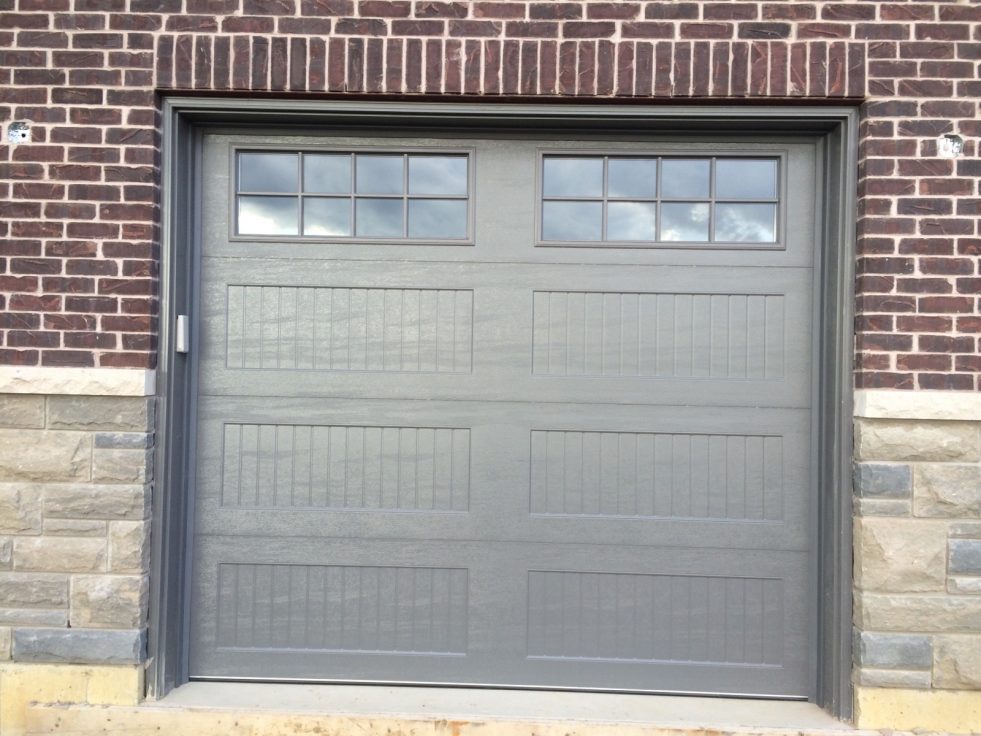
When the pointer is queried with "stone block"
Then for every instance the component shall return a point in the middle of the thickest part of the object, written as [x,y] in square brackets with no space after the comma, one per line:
[964,586]
[943,711]
[967,529]
[900,555]
[97,501]
[45,456]
[108,601]
[919,441]
[5,637]
[80,646]
[26,412]
[894,651]
[120,466]
[20,508]
[918,679]
[123,440]
[922,613]
[34,617]
[957,662]
[129,546]
[6,553]
[947,490]
[60,554]
[106,413]
[33,590]
[882,480]
[965,556]
[883,507]
[74,528]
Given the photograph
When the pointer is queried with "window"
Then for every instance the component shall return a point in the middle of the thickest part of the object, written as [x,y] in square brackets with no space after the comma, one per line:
[659,199]
[353,195]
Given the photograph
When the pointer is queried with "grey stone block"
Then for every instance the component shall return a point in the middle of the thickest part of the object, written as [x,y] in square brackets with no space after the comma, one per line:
[123,440]
[106,413]
[965,556]
[33,590]
[894,651]
[33,617]
[883,480]
[916,679]
[80,646]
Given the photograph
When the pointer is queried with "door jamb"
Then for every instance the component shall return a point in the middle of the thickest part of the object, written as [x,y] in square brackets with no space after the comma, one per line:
[185,117]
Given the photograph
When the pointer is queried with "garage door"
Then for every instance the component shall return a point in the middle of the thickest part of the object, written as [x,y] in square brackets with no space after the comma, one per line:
[506,411]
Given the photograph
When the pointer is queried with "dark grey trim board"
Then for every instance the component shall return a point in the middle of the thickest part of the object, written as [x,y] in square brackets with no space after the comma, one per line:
[185,118]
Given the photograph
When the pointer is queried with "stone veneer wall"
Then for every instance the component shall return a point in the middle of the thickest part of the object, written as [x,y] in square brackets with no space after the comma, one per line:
[918,546]
[74,521]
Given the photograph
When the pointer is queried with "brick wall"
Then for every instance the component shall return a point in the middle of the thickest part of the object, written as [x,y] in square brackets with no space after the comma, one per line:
[79,216]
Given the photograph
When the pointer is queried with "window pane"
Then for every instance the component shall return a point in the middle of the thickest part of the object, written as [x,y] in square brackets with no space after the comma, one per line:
[267,215]
[379,174]
[438,175]
[686,221]
[327,173]
[685,178]
[630,221]
[436,218]
[572,221]
[379,218]
[268,172]
[573,177]
[632,178]
[745,179]
[746,223]
[323,216]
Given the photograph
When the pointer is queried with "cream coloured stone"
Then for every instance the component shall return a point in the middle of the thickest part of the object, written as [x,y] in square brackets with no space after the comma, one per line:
[21,411]
[964,585]
[108,601]
[120,466]
[947,489]
[940,405]
[909,440]
[923,613]
[943,711]
[74,528]
[129,547]
[20,508]
[96,501]
[44,455]
[957,662]
[113,413]
[900,555]
[77,381]
[48,617]
[60,554]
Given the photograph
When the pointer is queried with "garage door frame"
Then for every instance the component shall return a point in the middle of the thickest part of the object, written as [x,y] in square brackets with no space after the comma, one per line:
[834,129]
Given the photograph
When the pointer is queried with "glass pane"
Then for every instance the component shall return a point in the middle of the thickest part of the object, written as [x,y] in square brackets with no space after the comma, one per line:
[379,174]
[686,221]
[327,216]
[746,223]
[438,175]
[630,221]
[573,177]
[572,221]
[682,177]
[437,218]
[267,215]
[745,179]
[632,178]
[268,172]
[379,218]
[327,173]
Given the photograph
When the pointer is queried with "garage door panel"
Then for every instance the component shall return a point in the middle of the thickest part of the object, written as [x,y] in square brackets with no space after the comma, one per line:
[506,461]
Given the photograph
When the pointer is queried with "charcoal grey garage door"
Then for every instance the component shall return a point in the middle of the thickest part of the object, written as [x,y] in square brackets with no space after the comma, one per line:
[506,411]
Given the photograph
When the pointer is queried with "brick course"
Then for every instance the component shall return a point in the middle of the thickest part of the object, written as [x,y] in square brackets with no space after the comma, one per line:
[79,220]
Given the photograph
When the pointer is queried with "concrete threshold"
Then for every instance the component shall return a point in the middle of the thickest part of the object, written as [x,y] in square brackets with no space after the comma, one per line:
[254,709]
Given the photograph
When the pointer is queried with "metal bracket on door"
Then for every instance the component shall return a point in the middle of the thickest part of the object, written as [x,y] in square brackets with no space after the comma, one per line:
[181,337]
